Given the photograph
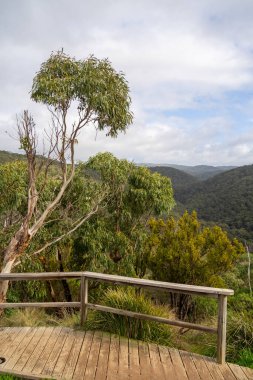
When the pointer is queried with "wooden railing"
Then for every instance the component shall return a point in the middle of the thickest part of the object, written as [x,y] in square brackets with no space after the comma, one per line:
[84,305]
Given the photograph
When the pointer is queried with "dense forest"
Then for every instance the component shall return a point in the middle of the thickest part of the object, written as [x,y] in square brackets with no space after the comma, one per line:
[225,199]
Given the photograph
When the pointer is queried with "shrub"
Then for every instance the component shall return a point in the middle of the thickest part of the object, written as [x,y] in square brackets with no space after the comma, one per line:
[133,328]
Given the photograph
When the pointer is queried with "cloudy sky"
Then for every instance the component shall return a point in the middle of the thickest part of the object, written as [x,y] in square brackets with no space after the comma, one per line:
[189,64]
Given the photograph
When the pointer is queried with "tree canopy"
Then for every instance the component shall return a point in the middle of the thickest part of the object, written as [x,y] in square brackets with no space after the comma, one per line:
[102,93]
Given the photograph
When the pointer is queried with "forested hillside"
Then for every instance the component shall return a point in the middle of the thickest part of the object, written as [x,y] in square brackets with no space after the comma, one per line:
[180,179]
[8,156]
[200,172]
[226,198]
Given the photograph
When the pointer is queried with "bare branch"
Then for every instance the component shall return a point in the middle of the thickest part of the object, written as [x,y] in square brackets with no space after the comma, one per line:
[75,226]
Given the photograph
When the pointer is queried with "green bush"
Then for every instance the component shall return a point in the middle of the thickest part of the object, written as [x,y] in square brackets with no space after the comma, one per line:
[128,299]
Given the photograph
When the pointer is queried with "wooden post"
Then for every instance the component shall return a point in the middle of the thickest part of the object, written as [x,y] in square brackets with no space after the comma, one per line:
[84,299]
[222,326]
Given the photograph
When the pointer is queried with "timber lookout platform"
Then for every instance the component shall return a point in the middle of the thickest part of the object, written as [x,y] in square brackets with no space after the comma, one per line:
[63,353]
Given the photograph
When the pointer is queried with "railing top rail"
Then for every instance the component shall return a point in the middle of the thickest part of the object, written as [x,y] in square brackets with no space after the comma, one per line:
[174,287]
[158,284]
[40,276]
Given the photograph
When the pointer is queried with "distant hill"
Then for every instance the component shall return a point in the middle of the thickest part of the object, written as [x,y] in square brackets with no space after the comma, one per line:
[8,156]
[201,172]
[226,198]
[180,180]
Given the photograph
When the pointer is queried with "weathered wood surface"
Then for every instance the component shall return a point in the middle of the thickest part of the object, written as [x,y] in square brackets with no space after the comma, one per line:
[62,353]
[173,287]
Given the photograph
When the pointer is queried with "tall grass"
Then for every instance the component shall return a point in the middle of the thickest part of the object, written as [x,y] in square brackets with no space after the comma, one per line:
[33,317]
[240,338]
[128,299]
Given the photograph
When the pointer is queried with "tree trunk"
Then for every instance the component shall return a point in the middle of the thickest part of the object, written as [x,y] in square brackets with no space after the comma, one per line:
[65,285]
[15,248]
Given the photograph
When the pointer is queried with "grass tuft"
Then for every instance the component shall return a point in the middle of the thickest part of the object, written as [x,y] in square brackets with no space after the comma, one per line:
[131,327]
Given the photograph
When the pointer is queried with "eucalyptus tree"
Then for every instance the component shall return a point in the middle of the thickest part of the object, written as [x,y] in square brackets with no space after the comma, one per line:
[115,238]
[100,96]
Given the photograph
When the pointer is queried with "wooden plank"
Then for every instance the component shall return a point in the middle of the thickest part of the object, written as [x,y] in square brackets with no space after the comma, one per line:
[64,355]
[182,288]
[34,363]
[248,372]
[168,367]
[54,354]
[74,354]
[134,361]
[8,337]
[101,373]
[201,366]
[189,366]
[226,372]
[238,372]
[92,363]
[132,314]
[123,371]
[13,343]
[156,365]
[13,305]
[20,348]
[4,338]
[3,332]
[29,350]
[22,375]
[178,364]
[145,363]
[83,356]
[214,369]
[113,363]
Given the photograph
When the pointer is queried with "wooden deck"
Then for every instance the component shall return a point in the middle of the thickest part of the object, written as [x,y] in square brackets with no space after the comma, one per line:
[62,353]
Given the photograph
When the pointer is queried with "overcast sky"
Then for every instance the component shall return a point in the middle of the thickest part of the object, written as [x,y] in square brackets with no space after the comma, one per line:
[189,64]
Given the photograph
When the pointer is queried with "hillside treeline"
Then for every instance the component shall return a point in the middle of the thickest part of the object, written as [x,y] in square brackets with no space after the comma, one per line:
[225,199]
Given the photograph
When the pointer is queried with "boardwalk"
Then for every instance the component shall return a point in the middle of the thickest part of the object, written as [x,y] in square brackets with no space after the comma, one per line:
[62,353]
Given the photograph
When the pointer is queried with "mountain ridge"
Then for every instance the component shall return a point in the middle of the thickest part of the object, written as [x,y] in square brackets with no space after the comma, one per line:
[202,172]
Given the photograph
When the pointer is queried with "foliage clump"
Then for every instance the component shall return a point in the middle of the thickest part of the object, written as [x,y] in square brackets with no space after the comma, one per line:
[182,251]
[128,299]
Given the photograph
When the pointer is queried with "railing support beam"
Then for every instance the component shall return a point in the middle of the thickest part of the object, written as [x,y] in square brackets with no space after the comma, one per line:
[84,299]
[222,326]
